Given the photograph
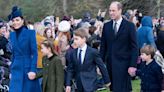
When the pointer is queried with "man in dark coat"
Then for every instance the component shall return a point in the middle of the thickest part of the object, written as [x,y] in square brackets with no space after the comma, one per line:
[119,49]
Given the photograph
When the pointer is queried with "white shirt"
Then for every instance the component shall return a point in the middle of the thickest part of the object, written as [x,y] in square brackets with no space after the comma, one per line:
[118,23]
[84,48]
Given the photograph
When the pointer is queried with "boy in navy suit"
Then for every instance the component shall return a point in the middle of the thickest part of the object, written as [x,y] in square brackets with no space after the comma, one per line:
[150,72]
[82,67]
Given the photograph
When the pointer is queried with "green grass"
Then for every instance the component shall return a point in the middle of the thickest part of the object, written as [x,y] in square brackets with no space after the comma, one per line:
[135,85]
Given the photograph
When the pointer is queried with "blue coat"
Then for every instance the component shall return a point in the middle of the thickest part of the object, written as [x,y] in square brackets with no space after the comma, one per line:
[85,74]
[145,32]
[120,52]
[24,60]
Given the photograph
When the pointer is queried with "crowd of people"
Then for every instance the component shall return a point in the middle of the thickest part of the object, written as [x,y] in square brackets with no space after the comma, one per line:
[82,55]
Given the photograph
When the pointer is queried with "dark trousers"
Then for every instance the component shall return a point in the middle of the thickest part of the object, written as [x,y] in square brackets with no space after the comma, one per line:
[80,87]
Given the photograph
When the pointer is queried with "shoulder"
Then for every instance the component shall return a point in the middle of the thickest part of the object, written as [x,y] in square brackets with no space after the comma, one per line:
[44,58]
[155,64]
[131,24]
[92,50]
[108,23]
[31,31]
[57,60]
[55,57]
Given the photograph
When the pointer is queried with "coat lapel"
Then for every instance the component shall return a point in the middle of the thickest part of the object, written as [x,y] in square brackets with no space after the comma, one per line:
[111,31]
[76,57]
[18,41]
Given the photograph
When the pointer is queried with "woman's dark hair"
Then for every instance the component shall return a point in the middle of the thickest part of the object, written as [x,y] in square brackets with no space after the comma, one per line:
[45,33]
[25,22]
[92,29]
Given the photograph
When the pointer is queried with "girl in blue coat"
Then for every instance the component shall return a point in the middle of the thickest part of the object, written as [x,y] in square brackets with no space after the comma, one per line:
[24,58]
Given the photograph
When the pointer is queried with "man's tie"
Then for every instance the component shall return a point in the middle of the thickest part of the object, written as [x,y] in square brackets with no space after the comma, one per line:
[79,57]
[115,28]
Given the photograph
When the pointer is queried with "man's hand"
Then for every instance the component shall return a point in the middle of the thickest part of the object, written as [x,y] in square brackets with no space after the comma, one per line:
[68,89]
[132,71]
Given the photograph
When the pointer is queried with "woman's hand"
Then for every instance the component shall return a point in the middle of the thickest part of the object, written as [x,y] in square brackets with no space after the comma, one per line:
[31,75]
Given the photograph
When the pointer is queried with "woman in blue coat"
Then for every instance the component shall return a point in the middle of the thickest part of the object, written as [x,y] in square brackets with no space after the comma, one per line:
[24,58]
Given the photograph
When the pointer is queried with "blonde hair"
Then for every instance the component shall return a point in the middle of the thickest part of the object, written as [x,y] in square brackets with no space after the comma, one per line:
[81,32]
[39,28]
[148,50]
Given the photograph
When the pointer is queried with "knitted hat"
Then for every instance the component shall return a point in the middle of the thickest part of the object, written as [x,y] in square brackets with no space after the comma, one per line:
[64,26]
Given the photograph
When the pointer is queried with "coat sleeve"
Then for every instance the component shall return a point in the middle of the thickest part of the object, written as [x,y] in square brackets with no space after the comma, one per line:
[59,75]
[34,52]
[103,44]
[133,45]
[69,72]
[102,67]
[39,74]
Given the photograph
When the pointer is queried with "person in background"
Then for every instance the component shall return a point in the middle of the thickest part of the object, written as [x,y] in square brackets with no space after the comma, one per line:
[49,34]
[5,46]
[160,39]
[39,28]
[63,39]
[145,32]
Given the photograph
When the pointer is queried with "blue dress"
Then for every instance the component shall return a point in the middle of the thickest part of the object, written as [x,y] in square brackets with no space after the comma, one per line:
[24,60]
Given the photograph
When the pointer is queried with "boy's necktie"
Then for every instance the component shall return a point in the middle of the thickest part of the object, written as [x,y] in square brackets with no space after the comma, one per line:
[79,56]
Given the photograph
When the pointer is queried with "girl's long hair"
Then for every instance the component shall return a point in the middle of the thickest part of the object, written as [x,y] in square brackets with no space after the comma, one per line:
[49,44]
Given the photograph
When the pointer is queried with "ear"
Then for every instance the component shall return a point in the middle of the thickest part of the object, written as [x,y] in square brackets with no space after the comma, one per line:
[85,39]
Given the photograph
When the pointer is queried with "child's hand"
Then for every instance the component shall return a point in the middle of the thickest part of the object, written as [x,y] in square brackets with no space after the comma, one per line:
[31,75]
[132,71]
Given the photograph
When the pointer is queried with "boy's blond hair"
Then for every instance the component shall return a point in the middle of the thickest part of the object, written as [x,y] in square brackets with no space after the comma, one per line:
[148,50]
[81,32]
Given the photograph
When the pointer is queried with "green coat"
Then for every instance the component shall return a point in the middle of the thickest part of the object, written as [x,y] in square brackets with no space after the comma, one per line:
[53,74]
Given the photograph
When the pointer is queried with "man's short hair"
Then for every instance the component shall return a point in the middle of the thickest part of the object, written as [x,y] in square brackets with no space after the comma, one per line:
[119,4]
